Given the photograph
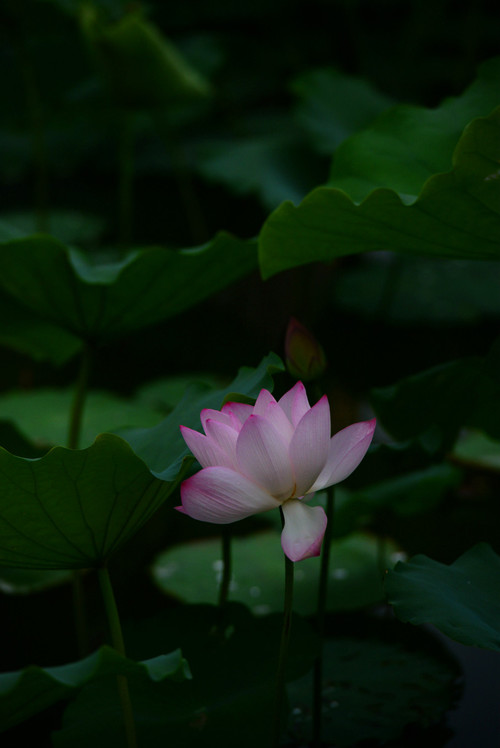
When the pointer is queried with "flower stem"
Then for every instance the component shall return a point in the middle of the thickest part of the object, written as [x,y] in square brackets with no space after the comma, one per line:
[226,567]
[320,620]
[75,422]
[283,653]
[118,644]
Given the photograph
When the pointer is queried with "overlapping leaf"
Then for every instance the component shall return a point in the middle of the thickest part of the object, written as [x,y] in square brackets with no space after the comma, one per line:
[378,679]
[461,600]
[98,301]
[72,509]
[191,572]
[331,106]
[397,187]
[29,691]
[162,447]
[441,400]
[42,415]
[233,660]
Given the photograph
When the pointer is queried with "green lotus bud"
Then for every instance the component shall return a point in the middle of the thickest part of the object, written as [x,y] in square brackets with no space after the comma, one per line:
[304,356]
[141,67]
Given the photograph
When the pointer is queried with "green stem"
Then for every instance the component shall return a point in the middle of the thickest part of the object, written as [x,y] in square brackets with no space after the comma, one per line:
[118,644]
[73,439]
[283,653]
[226,567]
[320,620]
[79,399]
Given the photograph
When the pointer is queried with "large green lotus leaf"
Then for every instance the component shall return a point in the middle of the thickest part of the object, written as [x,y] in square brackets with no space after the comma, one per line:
[461,600]
[99,301]
[13,441]
[141,67]
[443,399]
[415,290]
[192,573]
[22,330]
[475,449]
[274,165]
[162,395]
[69,226]
[409,494]
[402,187]
[331,106]
[72,509]
[162,447]
[42,415]
[29,691]
[233,659]
[25,581]
[377,680]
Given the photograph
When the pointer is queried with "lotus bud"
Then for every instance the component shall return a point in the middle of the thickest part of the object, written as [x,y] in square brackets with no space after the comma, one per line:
[305,358]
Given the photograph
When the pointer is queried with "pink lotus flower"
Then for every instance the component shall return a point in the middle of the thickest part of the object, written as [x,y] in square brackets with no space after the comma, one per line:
[258,457]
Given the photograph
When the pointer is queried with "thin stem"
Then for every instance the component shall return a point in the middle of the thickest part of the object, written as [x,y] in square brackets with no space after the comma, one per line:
[320,620]
[283,653]
[79,399]
[118,644]
[226,567]
[75,422]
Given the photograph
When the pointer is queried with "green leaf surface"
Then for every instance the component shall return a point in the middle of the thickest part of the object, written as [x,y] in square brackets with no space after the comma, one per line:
[141,67]
[377,681]
[163,395]
[233,659]
[68,226]
[476,449]
[415,290]
[162,447]
[331,106]
[275,166]
[42,415]
[29,691]
[461,600]
[22,330]
[13,441]
[72,509]
[25,581]
[406,495]
[99,301]
[411,184]
[444,399]
[192,572]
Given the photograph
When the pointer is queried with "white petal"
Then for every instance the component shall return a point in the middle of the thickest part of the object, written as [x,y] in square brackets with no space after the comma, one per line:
[303,531]
[224,437]
[310,445]
[295,403]
[205,449]
[277,418]
[262,402]
[262,456]
[221,495]
[240,411]
[347,449]
[214,415]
